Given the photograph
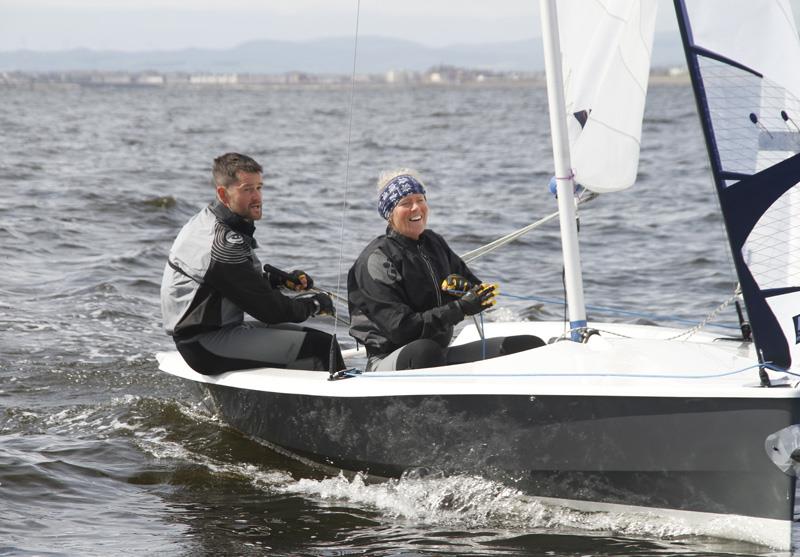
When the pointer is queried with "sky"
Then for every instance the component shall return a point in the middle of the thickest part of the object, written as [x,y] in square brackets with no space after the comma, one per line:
[135,25]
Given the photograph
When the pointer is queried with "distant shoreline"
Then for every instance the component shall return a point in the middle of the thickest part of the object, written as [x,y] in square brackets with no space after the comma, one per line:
[435,77]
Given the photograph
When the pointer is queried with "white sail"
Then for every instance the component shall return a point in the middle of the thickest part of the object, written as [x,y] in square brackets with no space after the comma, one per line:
[734,30]
[744,58]
[606,47]
[761,36]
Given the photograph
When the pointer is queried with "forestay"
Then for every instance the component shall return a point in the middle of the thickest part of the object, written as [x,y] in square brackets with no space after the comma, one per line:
[605,47]
[744,59]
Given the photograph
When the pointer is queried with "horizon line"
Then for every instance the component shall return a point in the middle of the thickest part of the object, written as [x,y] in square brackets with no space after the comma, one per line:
[532,38]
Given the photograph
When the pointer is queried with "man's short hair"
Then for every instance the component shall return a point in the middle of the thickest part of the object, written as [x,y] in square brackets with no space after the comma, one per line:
[227,166]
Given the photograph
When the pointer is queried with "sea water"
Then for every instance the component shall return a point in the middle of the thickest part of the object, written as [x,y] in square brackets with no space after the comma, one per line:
[102,454]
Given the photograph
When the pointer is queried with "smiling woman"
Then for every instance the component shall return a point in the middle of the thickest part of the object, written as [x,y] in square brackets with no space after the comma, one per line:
[402,202]
[407,290]
[410,216]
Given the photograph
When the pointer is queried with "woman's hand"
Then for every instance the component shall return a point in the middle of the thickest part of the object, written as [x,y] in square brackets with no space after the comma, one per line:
[478,298]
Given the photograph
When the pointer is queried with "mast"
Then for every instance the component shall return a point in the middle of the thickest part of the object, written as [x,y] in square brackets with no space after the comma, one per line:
[565,184]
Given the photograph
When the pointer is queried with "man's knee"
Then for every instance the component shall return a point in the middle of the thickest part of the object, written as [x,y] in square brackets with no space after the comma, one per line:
[319,352]
[206,362]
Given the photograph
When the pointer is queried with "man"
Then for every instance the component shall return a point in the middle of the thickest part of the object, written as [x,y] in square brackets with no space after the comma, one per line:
[213,277]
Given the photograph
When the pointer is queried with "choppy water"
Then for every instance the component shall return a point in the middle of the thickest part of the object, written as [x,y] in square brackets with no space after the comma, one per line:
[101,454]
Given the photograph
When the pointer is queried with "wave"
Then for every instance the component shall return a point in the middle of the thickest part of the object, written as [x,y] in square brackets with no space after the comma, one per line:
[472,503]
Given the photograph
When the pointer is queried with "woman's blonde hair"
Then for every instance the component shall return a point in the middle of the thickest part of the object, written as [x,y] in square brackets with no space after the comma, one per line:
[387,176]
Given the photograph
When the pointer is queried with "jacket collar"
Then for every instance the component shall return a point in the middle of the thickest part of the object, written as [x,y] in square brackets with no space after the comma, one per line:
[233,221]
[405,241]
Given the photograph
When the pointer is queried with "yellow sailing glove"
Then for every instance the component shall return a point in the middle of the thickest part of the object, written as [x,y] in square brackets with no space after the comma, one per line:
[455,285]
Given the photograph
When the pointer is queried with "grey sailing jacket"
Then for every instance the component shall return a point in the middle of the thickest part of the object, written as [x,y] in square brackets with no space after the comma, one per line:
[213,277]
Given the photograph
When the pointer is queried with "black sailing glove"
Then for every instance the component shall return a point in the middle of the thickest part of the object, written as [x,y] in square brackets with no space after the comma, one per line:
[295,282]
[478,298]
[292,281]
[323,304]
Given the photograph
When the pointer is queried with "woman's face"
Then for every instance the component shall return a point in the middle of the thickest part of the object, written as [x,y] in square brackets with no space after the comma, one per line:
[410,216]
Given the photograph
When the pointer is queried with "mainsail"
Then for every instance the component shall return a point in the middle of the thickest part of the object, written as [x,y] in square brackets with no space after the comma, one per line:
[744,60]
[605,48]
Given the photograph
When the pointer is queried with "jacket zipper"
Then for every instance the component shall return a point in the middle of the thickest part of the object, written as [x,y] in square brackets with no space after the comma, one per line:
[433,275]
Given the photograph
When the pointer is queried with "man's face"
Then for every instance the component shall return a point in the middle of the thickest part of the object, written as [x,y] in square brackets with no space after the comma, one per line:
[244,197]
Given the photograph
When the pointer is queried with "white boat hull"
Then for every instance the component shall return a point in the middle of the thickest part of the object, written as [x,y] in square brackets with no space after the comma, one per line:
[644,423]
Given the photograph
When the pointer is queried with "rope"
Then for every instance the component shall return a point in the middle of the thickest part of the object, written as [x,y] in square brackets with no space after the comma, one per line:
[687,333]
[470,256]
[398,374]
[347,164]
[483,340]
[651,316]
[705,321]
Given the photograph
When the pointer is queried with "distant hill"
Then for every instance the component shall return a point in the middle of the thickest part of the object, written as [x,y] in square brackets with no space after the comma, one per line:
[322,56]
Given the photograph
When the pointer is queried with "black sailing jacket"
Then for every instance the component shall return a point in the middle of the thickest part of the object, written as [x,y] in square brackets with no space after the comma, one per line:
[394,292]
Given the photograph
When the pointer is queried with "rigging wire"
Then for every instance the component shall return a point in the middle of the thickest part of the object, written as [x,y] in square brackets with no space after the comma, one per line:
[472,255]
[630,313]
[347,164]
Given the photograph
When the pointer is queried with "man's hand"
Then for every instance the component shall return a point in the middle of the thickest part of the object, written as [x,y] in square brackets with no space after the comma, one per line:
[299,280]
[323,304]
[296,280]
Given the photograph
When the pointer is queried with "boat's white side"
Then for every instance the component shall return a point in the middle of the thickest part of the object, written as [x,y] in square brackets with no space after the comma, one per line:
[699,396]
[635,361]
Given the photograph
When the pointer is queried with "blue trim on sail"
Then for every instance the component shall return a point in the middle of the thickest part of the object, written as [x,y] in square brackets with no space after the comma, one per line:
[725,175]
[742,203]
[699,91]
[770,292]
[700,51]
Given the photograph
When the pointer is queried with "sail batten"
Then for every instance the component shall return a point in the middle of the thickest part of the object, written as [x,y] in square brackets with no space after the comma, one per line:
[719,58]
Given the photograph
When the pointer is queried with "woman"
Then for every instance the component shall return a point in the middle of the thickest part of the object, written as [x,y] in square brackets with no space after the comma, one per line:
[407,290]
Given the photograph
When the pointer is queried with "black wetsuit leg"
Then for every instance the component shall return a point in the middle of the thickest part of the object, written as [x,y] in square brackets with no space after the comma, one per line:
[491,348]
[254,345]
[419,353]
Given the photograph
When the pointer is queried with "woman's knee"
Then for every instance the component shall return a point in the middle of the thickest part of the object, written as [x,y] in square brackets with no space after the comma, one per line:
[420,353]
[519,343]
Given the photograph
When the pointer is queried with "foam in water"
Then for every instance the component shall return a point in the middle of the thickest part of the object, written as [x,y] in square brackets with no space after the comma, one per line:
[470,502]
[169,450]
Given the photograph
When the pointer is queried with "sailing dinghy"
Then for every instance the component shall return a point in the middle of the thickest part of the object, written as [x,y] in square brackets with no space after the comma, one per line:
[702,430]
